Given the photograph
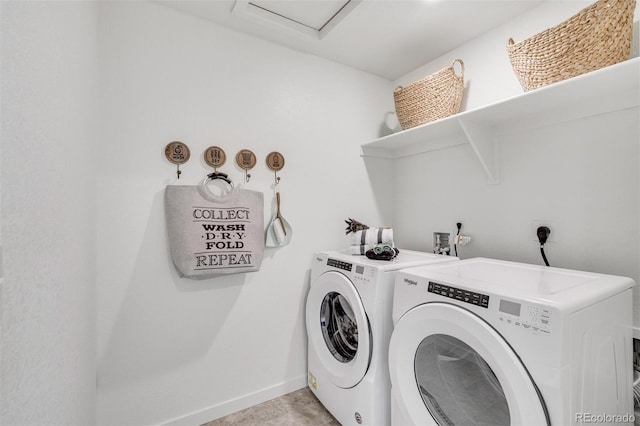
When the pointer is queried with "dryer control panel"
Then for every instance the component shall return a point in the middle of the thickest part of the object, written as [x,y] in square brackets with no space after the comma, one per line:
[467,296]
[536,319]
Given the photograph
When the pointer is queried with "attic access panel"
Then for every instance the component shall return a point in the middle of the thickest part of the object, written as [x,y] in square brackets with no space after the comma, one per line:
[314,18]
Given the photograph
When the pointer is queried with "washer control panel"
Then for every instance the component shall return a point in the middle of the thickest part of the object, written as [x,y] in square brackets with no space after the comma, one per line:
[345,266]
[358,273]
[533,318]
[467,296]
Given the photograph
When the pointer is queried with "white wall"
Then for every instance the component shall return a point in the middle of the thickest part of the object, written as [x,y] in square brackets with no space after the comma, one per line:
[582,176]
[170,348]
[48,98]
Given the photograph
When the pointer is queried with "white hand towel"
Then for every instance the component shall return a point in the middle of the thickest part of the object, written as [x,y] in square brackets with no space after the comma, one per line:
[372,236]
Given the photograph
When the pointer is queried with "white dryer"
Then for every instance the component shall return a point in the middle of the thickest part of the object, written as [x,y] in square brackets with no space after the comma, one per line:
[349,324]
[492,342]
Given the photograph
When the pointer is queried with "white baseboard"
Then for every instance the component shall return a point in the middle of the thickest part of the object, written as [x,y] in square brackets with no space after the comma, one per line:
[228,407]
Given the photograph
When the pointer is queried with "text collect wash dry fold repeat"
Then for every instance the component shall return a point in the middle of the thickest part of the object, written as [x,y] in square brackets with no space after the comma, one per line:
[212,235]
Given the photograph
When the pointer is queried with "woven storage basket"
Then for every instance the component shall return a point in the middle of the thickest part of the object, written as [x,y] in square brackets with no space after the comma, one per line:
[436,96]
[596,37]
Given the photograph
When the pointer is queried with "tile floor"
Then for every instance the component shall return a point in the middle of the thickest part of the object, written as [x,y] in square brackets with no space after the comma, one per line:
[299,408]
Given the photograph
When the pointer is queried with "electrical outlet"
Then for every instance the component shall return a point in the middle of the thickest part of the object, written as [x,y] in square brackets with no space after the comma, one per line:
[553,236]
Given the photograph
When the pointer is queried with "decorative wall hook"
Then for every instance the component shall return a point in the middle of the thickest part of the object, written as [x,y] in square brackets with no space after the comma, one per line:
[215,157]
[177,153]
[275,162]
[246,160]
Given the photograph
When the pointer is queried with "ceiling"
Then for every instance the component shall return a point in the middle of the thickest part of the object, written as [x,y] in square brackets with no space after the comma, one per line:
[388,38]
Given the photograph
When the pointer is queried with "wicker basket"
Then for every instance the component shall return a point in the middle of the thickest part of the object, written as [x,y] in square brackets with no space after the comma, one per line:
[596,37]
[436,96]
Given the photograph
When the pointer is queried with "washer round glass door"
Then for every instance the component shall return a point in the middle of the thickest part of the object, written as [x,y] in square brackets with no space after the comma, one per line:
[449,367]
[338,328]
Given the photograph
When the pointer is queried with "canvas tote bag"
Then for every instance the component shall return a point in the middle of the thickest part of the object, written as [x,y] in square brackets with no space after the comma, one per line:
[212,235]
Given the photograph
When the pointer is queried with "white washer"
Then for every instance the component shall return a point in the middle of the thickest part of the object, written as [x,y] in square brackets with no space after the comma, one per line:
[484,341]
[349,324]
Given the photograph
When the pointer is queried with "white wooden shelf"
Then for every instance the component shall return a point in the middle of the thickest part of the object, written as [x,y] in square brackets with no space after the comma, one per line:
[605,90]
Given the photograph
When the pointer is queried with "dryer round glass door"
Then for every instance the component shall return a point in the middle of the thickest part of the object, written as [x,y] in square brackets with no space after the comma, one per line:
[449,367]
[338,329]
[465,390]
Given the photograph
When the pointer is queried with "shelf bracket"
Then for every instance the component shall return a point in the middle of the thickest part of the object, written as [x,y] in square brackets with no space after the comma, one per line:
[485,145]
